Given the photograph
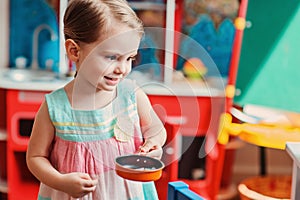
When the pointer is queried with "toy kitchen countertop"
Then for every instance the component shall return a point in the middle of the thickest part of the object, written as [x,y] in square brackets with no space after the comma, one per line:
[23,79]
[184,88]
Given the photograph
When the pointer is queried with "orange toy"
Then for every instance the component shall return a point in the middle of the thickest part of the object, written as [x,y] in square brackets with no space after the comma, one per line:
[194,68]
[139,168]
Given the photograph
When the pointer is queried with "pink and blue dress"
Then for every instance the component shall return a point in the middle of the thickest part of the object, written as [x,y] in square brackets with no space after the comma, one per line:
[89,141]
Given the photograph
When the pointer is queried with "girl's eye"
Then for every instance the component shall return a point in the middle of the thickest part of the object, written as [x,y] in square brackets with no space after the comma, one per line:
[111,57]
[131,58]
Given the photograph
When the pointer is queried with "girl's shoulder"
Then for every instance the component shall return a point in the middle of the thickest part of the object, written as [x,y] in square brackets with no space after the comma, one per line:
[56,94]
[56,98]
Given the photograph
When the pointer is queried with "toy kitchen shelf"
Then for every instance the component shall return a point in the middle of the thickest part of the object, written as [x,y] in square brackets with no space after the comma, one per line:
[22,102]
[21,108]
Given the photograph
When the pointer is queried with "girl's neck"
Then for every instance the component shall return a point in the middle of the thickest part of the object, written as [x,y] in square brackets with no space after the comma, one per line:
[85,96]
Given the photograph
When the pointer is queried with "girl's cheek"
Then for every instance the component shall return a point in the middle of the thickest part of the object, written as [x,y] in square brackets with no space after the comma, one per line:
[128,70]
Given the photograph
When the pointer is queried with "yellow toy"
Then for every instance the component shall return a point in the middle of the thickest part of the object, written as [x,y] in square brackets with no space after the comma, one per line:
[263,134]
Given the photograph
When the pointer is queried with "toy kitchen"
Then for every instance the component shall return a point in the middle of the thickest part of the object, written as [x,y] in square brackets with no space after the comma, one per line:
[36,65]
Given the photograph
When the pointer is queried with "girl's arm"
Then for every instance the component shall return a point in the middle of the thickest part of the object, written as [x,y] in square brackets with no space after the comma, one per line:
[153,129]
[37,157]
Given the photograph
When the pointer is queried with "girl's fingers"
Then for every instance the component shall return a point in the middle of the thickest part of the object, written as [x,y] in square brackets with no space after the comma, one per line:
[85,176]
[91,183]
[147,147]
[154,152]
[90,189]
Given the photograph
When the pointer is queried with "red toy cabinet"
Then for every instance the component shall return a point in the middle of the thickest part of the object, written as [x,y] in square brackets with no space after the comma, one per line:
[193,116]
[21,109]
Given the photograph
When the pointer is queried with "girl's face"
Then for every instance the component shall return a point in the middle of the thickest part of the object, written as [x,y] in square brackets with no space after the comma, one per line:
[106,62]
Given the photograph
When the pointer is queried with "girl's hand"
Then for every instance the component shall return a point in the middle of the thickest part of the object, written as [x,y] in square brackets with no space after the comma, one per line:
[78,184]
[148,149]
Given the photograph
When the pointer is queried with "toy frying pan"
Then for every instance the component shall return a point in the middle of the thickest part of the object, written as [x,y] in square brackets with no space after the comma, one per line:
[139,168]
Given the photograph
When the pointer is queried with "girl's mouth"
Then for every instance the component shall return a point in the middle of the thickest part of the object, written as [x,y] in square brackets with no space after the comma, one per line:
[111,78]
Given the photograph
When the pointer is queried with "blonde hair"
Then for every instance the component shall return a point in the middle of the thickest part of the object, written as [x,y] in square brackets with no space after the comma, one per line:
[87,20]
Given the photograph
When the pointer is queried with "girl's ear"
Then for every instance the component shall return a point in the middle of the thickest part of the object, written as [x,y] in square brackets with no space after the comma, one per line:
[72,50]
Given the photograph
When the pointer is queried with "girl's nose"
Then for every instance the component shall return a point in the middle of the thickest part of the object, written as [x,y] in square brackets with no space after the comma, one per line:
[121,68]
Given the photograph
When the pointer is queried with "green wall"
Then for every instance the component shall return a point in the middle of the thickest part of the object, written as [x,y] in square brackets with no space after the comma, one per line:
[269,69]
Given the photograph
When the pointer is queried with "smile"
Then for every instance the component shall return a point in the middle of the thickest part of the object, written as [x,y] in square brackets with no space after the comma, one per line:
[111,78]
